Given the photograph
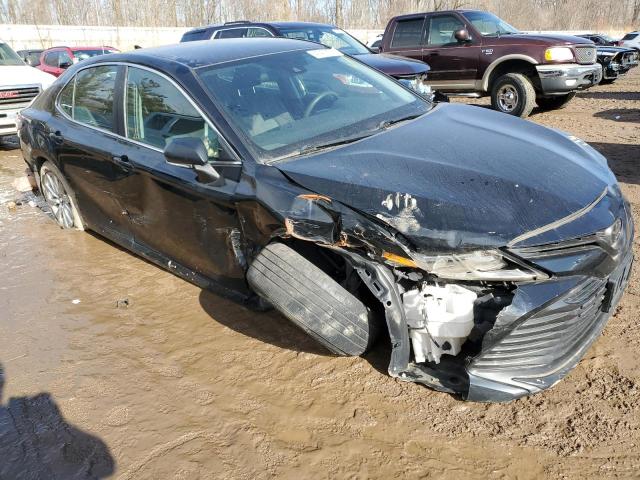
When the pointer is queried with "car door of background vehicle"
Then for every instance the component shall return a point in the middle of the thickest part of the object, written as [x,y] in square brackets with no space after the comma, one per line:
[174,215]
[407,38]
[84,136]
[50,62]
[453,64]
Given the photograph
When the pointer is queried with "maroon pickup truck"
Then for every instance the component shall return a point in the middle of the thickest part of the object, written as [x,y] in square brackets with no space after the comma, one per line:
[475,53]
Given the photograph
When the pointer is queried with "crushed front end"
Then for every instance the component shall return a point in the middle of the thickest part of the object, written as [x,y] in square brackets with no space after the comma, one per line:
[495,341]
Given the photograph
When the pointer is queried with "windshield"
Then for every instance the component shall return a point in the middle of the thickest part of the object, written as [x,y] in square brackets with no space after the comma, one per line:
[289,103]
[329,36]
[93,52]
[488,24]
[8,56]
[630,36]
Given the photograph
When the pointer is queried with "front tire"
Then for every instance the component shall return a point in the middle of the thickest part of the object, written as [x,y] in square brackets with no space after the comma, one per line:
[59,197]
[513,94]
[555,102]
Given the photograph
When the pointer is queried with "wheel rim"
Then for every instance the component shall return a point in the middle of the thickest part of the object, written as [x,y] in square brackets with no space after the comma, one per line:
[508,98]
[58,199]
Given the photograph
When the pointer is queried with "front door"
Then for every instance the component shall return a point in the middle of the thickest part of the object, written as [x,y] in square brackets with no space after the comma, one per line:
[175,215]
[454,64]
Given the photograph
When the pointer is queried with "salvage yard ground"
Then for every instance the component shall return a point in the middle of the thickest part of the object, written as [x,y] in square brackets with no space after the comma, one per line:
[166,381]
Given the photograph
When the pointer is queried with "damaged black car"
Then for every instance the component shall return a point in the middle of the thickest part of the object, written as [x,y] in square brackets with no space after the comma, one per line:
[489,250]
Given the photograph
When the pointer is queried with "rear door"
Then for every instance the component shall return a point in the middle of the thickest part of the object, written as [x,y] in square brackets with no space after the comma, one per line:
[407,38]
[173,214]
[84,135]
[454,65]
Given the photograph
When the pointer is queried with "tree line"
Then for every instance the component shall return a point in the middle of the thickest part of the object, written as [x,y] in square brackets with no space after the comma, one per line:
[605,15]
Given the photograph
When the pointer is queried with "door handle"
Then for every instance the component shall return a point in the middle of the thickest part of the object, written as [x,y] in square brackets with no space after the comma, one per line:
[56,137]
[122,161]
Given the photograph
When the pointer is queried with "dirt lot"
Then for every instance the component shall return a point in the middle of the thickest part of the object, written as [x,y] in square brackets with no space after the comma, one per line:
[107,354]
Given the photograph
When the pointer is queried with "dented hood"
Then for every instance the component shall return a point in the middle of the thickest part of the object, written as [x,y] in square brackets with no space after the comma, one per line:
[460,177]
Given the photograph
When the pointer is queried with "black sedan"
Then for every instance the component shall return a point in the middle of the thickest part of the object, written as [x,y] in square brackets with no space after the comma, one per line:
[286,174]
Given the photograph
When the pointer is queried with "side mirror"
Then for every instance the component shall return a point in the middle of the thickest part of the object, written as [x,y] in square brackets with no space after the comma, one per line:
[191,153]
[374,49]
[186,152]
[462,35]
[65,65]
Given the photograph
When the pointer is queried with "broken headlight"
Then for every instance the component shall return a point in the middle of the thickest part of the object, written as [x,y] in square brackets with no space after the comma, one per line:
[487,265]
[418,85]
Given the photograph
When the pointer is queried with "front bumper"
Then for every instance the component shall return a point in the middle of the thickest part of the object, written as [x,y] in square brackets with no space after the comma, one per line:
[8,120]
[548,342]
[565,78]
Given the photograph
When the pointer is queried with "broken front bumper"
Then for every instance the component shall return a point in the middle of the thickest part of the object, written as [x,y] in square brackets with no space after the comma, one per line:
[565,78]
[547,342]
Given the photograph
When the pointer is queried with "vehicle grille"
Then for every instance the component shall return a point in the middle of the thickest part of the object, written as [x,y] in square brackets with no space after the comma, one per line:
[11,96]
[586,54]
[550,336]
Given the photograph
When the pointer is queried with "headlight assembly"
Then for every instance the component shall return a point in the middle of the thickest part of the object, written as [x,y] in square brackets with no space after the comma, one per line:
[481,265]
[558,54]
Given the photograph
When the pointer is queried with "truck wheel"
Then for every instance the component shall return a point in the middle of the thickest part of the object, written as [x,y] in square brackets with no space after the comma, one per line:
[555,102]
[312,300]
[514,94]
[60,197]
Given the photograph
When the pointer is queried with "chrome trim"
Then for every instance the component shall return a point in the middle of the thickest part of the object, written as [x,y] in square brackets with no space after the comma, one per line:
[205,117]
[558,223]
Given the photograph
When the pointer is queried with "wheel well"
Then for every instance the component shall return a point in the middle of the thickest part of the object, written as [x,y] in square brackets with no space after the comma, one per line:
[514,66]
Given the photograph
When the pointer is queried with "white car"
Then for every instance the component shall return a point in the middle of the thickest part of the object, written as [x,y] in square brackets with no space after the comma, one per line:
[631,40]
[19,85]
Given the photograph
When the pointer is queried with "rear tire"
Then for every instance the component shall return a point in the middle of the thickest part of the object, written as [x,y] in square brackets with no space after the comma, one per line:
[555,102]
[312,300]
[60,197]
[513,94]
[607,81]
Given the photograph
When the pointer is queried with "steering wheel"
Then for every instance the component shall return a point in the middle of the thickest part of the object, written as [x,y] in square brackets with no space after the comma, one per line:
[314,103]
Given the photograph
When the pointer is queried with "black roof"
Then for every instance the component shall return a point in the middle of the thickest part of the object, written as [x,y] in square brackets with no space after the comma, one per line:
[204,53]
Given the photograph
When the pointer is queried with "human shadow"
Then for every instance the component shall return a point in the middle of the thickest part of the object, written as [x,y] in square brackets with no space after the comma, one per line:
[629,115]
[36,443]
[623,160]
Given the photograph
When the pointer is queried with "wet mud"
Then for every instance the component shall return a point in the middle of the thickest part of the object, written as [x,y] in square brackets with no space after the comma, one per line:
[125,371]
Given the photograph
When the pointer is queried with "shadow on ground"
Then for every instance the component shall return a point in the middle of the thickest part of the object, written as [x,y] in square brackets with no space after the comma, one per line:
[624,160]
[631,115]
[9,143]
[37,443]
[595,95]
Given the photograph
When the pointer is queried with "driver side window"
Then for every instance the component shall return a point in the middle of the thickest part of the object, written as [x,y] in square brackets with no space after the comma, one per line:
[156,112]
[442,30]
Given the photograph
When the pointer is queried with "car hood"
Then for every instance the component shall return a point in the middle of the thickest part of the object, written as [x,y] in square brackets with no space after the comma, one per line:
[543,39]
[460,177]
[394,65]
[607,50]
[15,75]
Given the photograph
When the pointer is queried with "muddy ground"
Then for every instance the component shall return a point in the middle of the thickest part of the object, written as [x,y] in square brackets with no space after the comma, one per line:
[107,357]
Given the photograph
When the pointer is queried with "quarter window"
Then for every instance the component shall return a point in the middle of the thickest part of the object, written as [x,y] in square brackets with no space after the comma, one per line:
[408,33]
[156,112]
[92,99]
[442,29]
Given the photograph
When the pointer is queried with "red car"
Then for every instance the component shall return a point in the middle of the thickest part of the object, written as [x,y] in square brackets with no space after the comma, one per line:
[57,59]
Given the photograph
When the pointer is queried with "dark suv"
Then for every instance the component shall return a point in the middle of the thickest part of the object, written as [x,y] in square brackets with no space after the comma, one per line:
[475,53]
[411,73]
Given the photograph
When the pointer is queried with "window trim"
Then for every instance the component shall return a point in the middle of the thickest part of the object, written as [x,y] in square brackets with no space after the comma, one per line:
[122,111]
[215,34]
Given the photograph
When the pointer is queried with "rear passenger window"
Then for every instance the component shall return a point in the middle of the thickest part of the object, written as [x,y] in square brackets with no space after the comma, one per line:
[65,100]
[408,33]
[93,97]
[156,112]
